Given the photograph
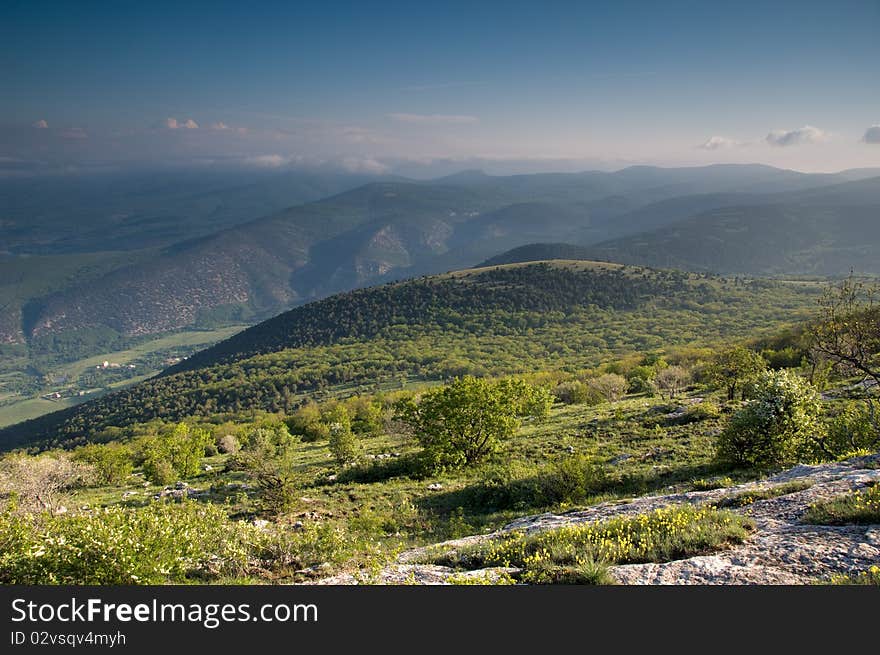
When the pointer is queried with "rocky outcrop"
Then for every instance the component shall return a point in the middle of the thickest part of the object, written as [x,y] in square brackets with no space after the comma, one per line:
[781,550]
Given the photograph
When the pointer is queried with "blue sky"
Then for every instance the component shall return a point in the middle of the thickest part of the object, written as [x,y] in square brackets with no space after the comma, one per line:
[369,85]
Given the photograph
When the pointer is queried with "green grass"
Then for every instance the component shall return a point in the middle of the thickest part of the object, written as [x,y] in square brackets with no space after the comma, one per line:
[860,507]
[754,495]
[663,535]
[22,409]
[385,502]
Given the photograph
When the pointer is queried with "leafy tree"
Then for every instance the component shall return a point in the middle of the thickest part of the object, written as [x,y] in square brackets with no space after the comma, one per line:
[177,452]
[733,369]
[672,379]
[847,334]
[343,442]
[466,420]
[778,424]
[308,423]
[112,462]
[610,386]
[366,416]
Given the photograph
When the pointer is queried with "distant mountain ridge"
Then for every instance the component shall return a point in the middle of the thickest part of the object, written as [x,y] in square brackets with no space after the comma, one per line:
[388,230]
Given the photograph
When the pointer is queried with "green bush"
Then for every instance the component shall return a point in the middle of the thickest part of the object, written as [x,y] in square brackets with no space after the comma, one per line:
[778,424]
[112,462]
[174,453]
[367,416]
[851,430]
[572,479]
[342,442]
[703,411]
[308,424]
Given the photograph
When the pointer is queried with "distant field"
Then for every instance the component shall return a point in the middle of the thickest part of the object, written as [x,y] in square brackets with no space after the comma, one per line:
[15,408]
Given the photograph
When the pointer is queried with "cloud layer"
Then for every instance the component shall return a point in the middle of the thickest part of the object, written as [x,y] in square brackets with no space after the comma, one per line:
[805,134]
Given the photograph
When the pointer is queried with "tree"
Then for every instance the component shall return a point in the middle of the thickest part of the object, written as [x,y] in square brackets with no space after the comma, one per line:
[466,420]
[343,442]
[779,423]
[113,461]
[847,334]
[174,453]
[610,386]
[38,483]
[734,368]
[672,379]
[308,423]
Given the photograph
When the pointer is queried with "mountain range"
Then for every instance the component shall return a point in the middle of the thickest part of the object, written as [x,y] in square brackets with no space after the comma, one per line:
[236,270]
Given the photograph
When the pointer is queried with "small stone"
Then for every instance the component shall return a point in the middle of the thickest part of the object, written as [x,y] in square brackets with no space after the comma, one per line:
[435,486]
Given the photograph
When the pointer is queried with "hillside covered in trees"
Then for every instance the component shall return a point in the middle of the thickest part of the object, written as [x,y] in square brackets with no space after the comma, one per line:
[490,321]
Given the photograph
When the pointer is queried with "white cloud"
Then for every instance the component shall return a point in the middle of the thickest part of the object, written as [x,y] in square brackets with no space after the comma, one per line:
[219,125]
[174,124]
[805,134]
[40,124]
[367,165]
[718,142]
[266,161]
[433,119]
[872,134]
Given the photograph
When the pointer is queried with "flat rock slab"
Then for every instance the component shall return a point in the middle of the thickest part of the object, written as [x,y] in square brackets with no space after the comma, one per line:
[781,550]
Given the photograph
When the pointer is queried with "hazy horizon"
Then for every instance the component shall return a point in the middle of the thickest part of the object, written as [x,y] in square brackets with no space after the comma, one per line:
[420,90]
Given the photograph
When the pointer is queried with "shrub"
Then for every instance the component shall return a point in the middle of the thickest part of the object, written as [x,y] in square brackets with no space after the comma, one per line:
[641,380]
[159,470]
[699,412]
[269,441]
[572,479]
[112,462]
[36,483]
[228,444]
[851,430]
[174,453]
[308,423]
[775,426]
[610,386]
[367,416]
[342,442]
[672,380]
[574,392]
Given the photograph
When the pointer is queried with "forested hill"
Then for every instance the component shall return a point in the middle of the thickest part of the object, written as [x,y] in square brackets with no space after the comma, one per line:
[363,313]
[488,321]
[535,252]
